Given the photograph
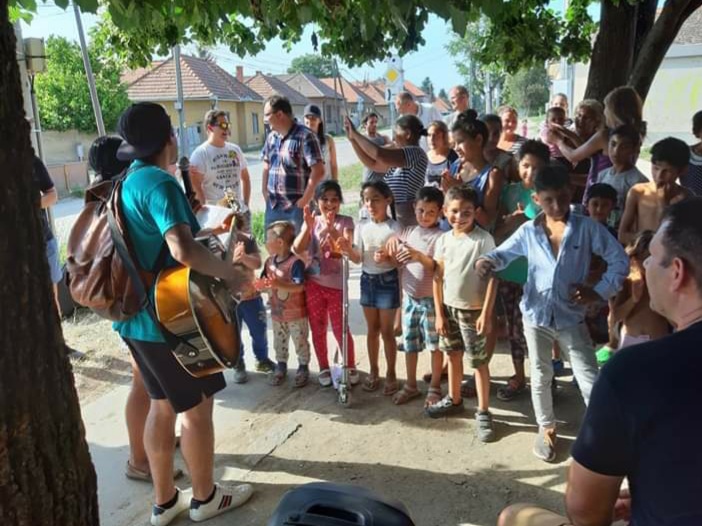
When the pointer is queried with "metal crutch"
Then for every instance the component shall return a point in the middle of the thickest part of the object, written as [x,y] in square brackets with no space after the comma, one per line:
[344,389]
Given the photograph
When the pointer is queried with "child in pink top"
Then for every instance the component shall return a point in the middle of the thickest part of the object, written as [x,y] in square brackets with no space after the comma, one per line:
[323,284]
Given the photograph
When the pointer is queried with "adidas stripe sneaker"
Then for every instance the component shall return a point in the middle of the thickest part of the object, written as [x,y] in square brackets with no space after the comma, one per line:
[225,498]
[160,516]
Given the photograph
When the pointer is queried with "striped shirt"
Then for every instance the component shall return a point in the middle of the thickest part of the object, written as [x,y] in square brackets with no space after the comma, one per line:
[692,180]
[290,159]
[406,181]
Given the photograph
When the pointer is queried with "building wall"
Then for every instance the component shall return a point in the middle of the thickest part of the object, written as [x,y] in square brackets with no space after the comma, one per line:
[64,147]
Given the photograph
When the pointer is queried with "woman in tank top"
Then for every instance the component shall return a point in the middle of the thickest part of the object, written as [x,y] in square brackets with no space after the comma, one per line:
[313,120]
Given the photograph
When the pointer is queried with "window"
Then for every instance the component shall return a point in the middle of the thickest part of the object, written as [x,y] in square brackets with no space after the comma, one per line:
[254,120]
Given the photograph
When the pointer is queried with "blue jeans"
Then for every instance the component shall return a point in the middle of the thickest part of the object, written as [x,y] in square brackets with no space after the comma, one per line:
[576,346]
[253,313]
[278,213]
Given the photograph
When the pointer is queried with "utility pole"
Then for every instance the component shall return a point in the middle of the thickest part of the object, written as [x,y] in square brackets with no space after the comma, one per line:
[89,73]
[182,140]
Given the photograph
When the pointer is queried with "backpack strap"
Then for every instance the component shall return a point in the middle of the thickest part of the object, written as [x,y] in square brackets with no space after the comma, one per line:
[176,344]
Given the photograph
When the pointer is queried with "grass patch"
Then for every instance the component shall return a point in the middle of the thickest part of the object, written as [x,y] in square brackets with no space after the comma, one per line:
[350,179]
[645,153]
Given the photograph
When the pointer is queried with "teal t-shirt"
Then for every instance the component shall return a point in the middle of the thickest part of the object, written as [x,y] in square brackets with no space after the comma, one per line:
[513,195]
[153,202]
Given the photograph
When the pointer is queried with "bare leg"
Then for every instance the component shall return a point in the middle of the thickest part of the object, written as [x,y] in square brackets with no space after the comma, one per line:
[197,445]
[373,339]
[136,412]
[159,441]
[387,332]
[482,386]
[455,375]
[411,359]
[437,366]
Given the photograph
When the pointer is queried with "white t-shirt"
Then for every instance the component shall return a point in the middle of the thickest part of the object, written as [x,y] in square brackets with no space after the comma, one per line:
[369,237]
[221,169]
[463,289]
[427,113]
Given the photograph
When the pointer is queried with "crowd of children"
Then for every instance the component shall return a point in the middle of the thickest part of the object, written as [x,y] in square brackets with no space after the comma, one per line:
[498,243]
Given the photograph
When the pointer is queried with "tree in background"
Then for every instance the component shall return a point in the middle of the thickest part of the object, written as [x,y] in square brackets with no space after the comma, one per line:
[317,65]
[528,90]
[443,95]
[62,90]
[428,88]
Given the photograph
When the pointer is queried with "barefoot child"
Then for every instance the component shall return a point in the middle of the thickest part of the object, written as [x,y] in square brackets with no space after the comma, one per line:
[320,238]
[646,202]
[284,275]
[464,306]
[559,245]
[631,318]
[380,282]
[414,250]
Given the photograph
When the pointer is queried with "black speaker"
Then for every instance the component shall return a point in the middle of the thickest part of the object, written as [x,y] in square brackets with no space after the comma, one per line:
[327,504]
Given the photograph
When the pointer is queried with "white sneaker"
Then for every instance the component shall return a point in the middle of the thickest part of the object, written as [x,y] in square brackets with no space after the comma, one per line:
[162,516]
[225,498]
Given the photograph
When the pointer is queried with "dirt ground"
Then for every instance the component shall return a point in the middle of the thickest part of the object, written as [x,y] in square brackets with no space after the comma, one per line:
[278,438]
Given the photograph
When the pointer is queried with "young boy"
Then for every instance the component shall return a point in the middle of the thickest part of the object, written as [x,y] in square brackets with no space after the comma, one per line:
[559,245]
[284,274]
[647,201]
[464,306]
[414,250]
[624,147]
[601,202]
[250,309]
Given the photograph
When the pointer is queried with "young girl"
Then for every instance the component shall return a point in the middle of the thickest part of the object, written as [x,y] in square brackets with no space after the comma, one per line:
[470,136]
[380,284]
[319,236]
[631,308]
[440,154]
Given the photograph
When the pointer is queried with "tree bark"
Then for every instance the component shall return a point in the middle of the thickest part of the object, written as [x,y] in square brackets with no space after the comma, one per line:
[645,17]
[658,41]
[612,54]
[46,475]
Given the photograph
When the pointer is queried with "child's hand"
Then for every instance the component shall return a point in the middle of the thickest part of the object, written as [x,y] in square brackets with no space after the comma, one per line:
[441,325]
[344,246]
[380,255]
[393,246]
[239,252]
[622,506]
[261,284]
[407,254]
[582,295]
[448,181]
[308,217]
[484,267]
[483,325]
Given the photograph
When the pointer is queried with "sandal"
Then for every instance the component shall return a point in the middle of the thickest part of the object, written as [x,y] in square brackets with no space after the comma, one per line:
[278,376]
[511,390]
[302,376]
[371,383]
[405,394]
[390,388]
[145,476]
[433,396]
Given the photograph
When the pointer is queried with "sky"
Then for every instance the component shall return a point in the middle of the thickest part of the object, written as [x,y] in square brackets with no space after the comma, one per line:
[431,60]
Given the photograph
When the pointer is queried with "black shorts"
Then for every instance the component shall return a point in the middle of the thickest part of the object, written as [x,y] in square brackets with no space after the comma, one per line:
[165,378]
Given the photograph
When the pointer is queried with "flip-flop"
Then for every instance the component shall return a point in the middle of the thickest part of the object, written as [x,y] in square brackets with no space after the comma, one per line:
[405,394]
[302,376]
[390,388]
[370,383]
[136,474]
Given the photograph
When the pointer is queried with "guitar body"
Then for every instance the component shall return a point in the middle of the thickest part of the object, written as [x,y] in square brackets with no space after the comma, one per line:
[196,308]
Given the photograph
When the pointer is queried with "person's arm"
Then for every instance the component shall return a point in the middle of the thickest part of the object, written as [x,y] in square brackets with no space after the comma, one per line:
[297,281]
[491,199]
[264,180]
[302,241]
[332,158]
[622,304]
[484,322]
[593,145]
[499,258]
[189,253]
[247,253]
[316,176]
[246,186]
[49,197]
[197,178]
[604,245]
[377,158]
[48,193]
[627,225]
[591,497]
[438,289]
[355,252]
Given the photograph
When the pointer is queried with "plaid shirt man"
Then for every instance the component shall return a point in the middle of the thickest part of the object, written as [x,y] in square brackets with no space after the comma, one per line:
[290,159]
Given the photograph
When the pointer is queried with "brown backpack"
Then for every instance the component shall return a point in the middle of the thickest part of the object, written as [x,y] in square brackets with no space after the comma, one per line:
[97,276]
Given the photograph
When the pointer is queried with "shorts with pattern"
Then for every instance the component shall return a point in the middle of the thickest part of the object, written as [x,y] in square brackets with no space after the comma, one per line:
[419,324]
[463,336]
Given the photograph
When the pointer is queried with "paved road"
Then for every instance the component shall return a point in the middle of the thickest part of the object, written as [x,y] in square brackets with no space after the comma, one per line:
[66,210]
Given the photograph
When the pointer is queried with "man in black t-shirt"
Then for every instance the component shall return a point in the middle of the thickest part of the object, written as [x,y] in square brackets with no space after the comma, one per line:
[644,420]
[49,197]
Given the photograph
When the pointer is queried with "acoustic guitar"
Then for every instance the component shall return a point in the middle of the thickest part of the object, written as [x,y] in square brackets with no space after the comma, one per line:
[199,310]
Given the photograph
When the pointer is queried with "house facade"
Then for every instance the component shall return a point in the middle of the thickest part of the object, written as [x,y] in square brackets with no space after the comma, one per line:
[268,85]
[330,103]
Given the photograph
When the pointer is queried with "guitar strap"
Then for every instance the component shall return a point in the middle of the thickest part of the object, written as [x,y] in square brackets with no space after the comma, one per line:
[176,344]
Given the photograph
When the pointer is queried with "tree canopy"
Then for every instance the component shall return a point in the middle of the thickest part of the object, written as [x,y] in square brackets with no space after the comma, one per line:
[316,65]
[62,91]
[527,90]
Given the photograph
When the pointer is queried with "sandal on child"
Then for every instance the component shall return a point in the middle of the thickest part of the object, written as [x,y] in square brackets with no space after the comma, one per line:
[371,383]
[511,390]
[405,394]
[433,396]
[277,377]
[390,388]
[136,474]
[302,376]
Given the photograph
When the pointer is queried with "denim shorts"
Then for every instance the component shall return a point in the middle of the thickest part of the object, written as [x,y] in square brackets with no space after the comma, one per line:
[52,255]
[380,291]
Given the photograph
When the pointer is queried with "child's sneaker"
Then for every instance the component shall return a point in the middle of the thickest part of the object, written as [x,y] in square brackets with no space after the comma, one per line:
[484,429]
[223,499]
[265,366]
[325,378]
[162,515]
[445,407]
[545,445]
[240,374]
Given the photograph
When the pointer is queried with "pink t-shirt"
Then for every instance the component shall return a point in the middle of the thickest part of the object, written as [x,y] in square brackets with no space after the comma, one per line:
[325,270]
[417,280]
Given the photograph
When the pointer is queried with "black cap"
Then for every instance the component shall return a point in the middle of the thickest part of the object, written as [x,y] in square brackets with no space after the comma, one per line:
[313,109]
[145,128]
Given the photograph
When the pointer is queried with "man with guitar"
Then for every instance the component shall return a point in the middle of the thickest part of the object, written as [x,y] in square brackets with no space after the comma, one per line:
[161,229]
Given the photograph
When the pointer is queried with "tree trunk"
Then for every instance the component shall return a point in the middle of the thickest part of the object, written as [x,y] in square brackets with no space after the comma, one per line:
[612,54]
[658,41]
[645,17]
[46,475]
